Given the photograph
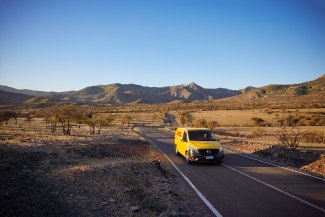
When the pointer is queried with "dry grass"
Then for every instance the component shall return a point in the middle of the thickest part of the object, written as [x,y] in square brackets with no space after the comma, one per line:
[241,118]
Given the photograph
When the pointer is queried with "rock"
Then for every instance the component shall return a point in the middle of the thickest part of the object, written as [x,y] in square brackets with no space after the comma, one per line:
[104,203]
[134,208]
[275,155]
[112,201]
[168,213]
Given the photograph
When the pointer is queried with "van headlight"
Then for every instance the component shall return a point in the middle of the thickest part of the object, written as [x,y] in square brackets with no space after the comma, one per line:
[220,150]
[193,151]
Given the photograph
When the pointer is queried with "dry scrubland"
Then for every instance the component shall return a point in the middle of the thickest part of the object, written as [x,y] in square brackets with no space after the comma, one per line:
[114,173]
[103,168]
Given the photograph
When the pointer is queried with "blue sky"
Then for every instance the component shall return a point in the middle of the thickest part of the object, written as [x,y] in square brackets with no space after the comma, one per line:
[66,45]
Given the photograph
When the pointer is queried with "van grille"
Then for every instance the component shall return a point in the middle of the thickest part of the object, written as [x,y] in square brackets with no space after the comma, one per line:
[209,151]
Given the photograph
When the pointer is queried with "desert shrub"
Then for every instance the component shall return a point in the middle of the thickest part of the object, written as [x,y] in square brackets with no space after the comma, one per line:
[290,137]
[258,122]
[200,123]
[258,132]
[281,122]
[301,90]
[314,137]
[319,121]
[182,119]
[309,122]
[126,119]
[213,124]
[293,120]
[236,133]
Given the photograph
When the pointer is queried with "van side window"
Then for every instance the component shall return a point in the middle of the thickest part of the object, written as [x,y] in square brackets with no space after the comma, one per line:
[184,137]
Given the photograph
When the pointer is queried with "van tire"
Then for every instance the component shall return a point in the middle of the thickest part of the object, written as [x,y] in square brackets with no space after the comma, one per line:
[176,151]
[187,157]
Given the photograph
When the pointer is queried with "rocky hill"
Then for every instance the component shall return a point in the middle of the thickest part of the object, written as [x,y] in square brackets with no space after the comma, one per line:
[127,93]
[307,92]
[9,98]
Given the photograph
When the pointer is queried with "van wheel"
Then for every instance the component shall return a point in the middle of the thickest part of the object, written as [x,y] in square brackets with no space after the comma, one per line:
[187,157]
[176,150]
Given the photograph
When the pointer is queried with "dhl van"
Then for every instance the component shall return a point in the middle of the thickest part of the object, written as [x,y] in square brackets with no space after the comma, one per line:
[198,144]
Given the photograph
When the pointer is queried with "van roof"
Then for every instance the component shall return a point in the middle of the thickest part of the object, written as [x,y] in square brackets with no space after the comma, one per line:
[193,128]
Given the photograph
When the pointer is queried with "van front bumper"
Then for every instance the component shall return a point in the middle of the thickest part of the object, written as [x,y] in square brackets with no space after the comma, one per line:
[207,155]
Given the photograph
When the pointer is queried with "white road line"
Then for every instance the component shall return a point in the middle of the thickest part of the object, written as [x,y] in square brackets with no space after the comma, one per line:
[262,161]
[277,189]
[207,203]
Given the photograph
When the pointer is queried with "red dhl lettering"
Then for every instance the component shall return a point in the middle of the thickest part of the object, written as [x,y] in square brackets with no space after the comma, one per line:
[179,133]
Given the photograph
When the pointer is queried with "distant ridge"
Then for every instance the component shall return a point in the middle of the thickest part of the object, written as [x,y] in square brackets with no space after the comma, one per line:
[9,98]
[131,93]
[126,93]
[313,89]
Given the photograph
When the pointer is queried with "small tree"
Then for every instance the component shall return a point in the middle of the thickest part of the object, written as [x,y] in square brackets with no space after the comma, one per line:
[67,116]
[53,122]
[5,116]
[102,121]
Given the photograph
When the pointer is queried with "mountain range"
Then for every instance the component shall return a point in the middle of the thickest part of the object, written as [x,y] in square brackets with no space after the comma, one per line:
[131,93]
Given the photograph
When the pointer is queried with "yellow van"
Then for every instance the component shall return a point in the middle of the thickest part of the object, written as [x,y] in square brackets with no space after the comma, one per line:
[198,144]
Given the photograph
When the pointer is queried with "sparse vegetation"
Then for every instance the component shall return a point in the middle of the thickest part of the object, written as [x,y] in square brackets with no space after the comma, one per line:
[213,124]
[290,137]
[258,122]
[258,132]
[6,116]
[126,119]
[314,137]
[200,123]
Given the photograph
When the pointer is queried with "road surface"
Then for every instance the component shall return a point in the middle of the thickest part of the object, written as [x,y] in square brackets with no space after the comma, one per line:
[246,187]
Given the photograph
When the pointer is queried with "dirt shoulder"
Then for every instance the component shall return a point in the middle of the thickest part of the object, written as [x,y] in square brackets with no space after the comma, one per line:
[116,174]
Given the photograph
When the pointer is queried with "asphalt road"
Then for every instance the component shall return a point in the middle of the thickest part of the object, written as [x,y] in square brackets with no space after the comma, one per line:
[246,187]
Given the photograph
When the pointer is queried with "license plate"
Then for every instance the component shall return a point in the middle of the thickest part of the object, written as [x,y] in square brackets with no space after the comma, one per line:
[209,157]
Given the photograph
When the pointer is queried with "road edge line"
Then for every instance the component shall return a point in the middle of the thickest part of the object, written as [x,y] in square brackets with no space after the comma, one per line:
[207,203]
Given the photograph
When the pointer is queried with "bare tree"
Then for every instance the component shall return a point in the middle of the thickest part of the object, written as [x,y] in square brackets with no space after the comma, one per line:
[290,138]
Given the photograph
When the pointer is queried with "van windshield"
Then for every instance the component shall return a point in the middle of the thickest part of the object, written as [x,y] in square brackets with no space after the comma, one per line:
[201,135]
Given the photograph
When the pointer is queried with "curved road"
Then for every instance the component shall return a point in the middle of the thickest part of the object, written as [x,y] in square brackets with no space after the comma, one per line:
[246,187]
